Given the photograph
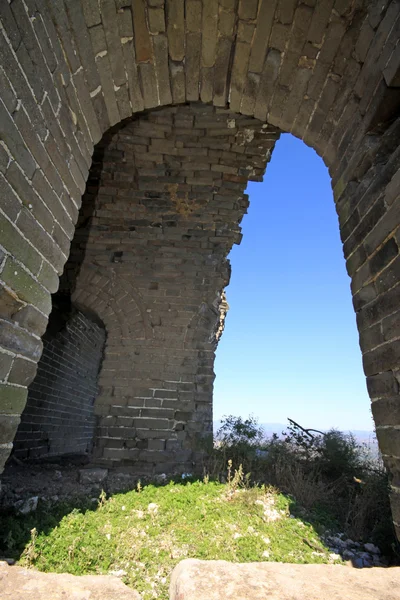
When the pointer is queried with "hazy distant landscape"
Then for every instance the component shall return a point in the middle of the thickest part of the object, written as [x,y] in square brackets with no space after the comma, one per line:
[361,435]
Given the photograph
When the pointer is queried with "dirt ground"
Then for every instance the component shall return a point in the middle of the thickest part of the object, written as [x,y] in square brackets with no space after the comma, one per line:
[56,479]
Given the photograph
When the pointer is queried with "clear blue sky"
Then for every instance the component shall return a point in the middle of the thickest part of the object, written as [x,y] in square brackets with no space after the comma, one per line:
[290,346]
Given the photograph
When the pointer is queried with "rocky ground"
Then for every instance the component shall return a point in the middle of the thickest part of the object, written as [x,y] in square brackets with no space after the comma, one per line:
[62,478]
[359,555]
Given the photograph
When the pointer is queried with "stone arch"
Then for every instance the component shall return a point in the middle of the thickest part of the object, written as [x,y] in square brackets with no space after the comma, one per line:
[114,301]
[119,306]
[328,73]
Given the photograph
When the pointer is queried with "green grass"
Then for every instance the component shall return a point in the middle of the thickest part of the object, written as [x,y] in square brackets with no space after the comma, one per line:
[144,534]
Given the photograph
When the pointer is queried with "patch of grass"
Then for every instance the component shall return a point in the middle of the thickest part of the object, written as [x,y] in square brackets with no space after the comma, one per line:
[141,535]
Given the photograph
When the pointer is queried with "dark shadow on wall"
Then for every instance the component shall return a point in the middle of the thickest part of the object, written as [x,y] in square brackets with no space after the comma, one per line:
[59,416]
[97,174]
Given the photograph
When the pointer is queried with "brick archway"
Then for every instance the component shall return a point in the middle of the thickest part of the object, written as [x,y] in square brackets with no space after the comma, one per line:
[328,73]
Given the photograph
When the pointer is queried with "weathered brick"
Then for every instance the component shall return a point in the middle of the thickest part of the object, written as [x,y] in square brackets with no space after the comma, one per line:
[25,286]
[110,24]
[156,20]
[22,372]
[31,319]
[17,340]
[11,136]
[269,74]
[160,45]
[386,411]
[40,239]
[133,81]
[75,12]
[176,29]
[149,85]
[91,11]
[34,63]
[382,385]
[16,245]
[143,48]
[8,428]
[389,439]
[210,31]
[104,68]
[10,25]
[14,73]
[192,61]
[8,96]
[86,104]
[248,9]
[261,37]
[383,358]
[5,364]
[59,14]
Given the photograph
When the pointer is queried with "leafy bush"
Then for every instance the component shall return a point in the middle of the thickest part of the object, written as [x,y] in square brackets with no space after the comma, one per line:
[238,440]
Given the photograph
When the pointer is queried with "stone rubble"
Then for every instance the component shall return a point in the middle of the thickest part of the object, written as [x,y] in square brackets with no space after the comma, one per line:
[360,555]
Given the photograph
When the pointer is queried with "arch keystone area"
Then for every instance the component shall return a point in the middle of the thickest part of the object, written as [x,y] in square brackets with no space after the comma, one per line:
[132,128]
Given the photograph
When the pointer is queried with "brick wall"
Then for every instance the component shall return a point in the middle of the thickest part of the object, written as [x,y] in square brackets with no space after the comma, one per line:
[59,416]
[161,212]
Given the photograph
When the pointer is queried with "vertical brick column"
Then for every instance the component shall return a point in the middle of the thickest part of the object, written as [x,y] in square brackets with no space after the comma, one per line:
[161,212]
[368,206]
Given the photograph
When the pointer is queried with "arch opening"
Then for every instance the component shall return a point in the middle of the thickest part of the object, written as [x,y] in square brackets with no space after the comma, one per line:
[58,419]
[290,347]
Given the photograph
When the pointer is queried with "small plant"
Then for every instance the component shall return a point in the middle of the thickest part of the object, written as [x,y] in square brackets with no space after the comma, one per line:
[239,480]
[102,499]
[30,553]
[229,471]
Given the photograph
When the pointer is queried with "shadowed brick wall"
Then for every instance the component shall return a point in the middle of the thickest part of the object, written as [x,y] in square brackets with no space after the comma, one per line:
[59,416]
[326,71]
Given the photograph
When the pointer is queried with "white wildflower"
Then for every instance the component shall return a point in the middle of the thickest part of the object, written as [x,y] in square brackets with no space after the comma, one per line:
[266,540]
[152,508]
[272,515]
[334,556]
